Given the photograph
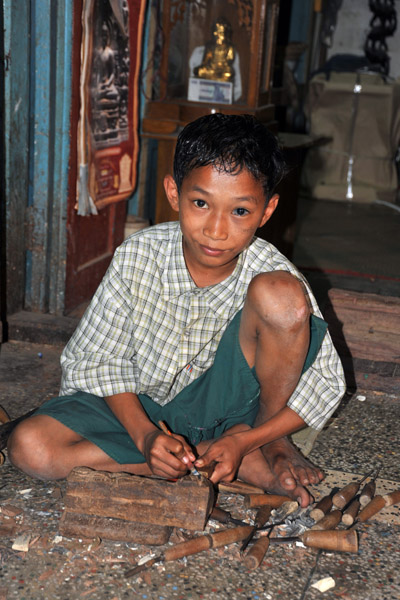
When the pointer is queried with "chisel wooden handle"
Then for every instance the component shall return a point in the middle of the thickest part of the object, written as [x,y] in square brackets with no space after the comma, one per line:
[262,515]
[198,544]
[261,518]
[257,500]
[330,521]
[368,492]
[377,504]
[238,487]
[321,508]
[347,493]
[342,541]
[221,515]
[392,498]
[351,512]
[204,542]
[343,496]
[255,555]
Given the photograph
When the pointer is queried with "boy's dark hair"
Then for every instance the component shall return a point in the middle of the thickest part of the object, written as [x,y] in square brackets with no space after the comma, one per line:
[230,143]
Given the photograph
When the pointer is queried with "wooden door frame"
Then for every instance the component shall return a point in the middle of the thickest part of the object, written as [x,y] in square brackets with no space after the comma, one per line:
[37,39]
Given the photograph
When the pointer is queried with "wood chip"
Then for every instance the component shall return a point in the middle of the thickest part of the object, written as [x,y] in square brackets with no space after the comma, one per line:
[10,511]
[21,543]
[325,584]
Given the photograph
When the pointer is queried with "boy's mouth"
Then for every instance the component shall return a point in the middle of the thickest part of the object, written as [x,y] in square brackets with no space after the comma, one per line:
[212,251]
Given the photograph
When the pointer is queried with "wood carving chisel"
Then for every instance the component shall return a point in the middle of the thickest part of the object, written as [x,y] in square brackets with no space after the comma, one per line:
[224,516]
[368,491]
[329,521]
[195,545]
[347,493]
[321,508]
[331,539]
[258,500]
[351,512]
[377,504]
[261,518]
[255,555]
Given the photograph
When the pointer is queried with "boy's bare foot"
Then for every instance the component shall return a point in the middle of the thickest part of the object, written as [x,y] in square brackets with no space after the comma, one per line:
[292,471]
[280,469]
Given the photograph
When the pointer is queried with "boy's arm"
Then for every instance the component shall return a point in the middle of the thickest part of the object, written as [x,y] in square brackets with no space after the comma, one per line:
[167,456]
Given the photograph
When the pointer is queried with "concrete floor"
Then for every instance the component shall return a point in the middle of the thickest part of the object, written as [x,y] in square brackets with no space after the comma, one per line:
[363,433]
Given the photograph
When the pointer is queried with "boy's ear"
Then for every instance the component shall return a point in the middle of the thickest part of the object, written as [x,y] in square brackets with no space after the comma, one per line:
[171,192]
[269,209]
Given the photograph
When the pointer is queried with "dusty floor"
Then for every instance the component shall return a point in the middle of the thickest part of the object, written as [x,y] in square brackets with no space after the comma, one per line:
[363,433]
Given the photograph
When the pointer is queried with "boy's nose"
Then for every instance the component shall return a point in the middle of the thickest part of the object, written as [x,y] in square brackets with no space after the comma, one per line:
[216,228]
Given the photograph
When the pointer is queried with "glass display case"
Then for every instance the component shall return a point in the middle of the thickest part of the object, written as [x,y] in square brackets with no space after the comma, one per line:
[214,55]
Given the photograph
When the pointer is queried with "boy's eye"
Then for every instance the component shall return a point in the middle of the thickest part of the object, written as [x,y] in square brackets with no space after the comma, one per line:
[240,212]
[200,203]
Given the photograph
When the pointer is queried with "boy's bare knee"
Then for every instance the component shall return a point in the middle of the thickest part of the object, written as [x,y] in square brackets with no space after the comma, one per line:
[279,300]
[27,450]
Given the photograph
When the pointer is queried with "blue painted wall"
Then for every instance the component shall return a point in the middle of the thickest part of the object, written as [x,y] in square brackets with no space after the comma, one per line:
[38,39]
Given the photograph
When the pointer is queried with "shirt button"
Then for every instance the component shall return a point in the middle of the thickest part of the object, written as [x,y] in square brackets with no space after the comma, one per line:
[186,333]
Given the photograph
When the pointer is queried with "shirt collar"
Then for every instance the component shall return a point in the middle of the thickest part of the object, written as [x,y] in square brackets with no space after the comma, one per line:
[176,279]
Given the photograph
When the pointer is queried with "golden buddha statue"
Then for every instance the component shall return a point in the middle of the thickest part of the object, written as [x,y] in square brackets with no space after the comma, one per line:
[219,54]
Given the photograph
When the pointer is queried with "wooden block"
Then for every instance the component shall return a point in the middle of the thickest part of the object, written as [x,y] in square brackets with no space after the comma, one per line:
[77,525]
[186,503]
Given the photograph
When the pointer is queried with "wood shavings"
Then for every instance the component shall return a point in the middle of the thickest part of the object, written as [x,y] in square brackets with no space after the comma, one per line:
[325,584]
[21,543]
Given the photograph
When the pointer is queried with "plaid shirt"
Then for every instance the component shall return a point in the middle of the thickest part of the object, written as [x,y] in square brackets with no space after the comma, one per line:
[149,329]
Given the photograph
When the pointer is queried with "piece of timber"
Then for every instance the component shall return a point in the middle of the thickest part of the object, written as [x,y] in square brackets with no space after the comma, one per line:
[82,525]
[185,503]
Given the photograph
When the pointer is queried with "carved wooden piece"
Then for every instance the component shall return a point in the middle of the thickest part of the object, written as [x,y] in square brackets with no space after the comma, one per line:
[186,503]
[76,525]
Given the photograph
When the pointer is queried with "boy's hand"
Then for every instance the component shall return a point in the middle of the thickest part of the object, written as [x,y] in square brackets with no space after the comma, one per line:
[227,453]
[168,456]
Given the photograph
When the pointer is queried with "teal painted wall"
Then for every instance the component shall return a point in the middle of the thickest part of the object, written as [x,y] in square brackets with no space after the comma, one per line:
[38,39]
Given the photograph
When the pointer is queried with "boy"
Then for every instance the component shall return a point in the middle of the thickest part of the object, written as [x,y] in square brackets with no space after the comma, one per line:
[199,324]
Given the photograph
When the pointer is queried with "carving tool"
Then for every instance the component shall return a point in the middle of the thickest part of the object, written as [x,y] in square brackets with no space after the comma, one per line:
[195,545]
[223,516]
[321,508]
[239,487]
[261,518]
[377,504]
[347,493]
[351,512]
[368,491]
[165,430]
[255,555]
[332,539]
[324,540]
[329,521]
[258,500]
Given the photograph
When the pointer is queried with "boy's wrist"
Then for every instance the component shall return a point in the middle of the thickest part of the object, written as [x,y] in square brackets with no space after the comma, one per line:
[139,437]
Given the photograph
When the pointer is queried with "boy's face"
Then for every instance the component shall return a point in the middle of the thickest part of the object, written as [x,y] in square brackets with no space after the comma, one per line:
[219,214]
